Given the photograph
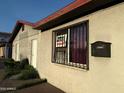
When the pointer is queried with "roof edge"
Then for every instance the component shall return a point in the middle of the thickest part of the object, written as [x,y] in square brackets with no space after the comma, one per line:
[90,6]
[73,5]
[25,22]
[15,31]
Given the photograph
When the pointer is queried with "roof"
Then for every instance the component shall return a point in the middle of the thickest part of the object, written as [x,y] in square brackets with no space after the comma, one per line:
[24,22]
[72,11]
[66,9]
[17,27]
[5,33]
[4,37]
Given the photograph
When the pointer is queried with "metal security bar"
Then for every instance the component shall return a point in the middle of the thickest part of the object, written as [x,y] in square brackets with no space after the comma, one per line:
[71,50]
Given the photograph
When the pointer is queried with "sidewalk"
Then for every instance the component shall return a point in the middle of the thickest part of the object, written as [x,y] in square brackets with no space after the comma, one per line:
[41,88]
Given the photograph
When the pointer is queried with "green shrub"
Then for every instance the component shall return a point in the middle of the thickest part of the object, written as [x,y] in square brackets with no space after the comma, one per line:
[29,73]
[11,67]
[24,62]
[15,67]
[9,59]
[9,63]
[11,71]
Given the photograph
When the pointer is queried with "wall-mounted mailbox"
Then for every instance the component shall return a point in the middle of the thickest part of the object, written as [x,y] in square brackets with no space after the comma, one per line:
[101,49]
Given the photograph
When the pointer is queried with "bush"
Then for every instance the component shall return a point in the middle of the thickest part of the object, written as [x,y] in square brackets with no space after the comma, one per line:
[11,71]
[20,67]
[17,65]
[23,63]
[8,60]
[29,73]
[11,67]
[9,63]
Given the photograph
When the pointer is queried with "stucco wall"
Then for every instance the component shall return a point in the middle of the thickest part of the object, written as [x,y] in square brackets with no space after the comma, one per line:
[105,74]
[24,39]
[1,52]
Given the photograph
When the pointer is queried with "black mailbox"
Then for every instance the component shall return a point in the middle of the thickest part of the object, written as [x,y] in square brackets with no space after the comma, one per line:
[101,49]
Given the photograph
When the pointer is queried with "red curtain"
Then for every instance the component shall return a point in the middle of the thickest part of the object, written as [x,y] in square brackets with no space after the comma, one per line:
[78,44]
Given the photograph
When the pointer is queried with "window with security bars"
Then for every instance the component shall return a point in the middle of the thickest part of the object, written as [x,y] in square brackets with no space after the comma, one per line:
[70,46]
[60,46]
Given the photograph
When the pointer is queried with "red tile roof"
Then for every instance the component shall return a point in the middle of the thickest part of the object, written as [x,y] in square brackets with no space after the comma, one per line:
[24,22]
[66,9]
[72,11]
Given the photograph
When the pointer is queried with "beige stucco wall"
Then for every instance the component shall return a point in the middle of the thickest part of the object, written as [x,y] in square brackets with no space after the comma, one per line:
[105,74]
[1,51]
[24,39]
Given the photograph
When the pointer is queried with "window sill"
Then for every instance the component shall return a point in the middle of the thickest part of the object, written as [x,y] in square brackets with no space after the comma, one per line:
[69,65]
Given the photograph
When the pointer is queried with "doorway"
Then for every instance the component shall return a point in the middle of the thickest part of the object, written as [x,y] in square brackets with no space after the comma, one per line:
[34,53]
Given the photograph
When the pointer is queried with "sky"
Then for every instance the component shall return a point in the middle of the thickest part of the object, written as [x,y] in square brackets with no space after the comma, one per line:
[29,10]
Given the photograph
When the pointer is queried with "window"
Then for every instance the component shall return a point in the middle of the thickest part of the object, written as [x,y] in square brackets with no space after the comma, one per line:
[70,46]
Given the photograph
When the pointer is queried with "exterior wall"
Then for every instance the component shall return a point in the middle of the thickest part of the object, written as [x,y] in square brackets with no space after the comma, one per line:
[1,52]
[105,74]
[4,38]
[24,40]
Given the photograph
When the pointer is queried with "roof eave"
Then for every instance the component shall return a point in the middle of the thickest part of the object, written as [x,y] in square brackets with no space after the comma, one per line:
[61,12]
[18,25]
[85,9]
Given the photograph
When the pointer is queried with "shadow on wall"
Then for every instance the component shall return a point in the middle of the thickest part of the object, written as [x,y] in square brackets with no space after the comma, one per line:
[23,57]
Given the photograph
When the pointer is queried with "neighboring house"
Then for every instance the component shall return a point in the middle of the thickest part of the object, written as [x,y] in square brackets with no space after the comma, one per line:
[5,47]
[77,48]
[24,40]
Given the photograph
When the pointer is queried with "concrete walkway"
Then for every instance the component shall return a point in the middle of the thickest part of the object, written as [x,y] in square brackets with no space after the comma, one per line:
[41,88]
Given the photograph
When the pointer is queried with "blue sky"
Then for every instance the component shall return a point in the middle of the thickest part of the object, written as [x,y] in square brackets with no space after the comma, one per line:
[29,10]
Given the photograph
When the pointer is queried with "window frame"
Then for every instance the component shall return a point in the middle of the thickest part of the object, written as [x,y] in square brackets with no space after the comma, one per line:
[78,65]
